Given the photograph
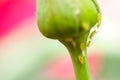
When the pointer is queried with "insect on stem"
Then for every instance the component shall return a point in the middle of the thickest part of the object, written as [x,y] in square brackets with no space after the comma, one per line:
[88,43]
[99,20]
[85,26]
[82,47]
[81,59]
[92,34]
[71,41]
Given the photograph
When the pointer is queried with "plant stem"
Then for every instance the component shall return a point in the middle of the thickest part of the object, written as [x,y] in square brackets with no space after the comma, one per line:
[81,70]
[79,60]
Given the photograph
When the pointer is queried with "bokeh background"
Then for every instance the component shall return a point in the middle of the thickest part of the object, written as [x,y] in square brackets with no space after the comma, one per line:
[27,55]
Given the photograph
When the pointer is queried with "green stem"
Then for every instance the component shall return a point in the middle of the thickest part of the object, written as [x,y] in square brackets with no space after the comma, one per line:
[81,70]
[80,65]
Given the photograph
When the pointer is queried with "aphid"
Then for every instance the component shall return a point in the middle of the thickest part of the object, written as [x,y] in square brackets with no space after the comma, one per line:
[88,43]
[68,39]
[92,34]
[82,46]
[99,20]
[85,26]
[81,59]
[71,41]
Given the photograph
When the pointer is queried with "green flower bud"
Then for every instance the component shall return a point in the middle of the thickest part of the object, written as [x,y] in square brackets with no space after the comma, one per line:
[59,19]
[70,21]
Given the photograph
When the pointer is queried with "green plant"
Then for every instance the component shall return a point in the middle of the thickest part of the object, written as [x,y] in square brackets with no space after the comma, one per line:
[70,22]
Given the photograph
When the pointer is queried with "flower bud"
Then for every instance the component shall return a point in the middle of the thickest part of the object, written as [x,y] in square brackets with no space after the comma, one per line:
[59,19]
